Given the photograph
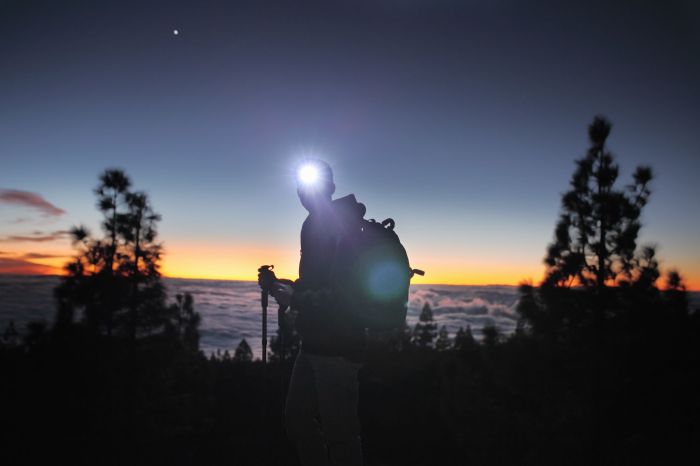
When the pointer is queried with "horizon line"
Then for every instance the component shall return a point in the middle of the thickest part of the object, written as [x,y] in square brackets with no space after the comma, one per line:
[253,281]
[243,280]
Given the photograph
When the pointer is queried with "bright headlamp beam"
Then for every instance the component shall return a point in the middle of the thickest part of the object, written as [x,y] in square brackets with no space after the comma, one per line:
[308,174]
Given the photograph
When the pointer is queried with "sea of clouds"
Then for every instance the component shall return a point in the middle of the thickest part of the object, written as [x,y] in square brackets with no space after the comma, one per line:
[231,309]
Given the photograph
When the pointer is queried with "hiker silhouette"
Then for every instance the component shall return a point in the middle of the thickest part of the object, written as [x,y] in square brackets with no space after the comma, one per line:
[321,406]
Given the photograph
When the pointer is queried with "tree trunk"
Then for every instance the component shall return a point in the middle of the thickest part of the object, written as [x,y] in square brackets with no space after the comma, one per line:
[134,277]
[602,250]
[113,247]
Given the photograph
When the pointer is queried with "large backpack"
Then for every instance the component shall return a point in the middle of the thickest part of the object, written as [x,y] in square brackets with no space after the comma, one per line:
[371,274]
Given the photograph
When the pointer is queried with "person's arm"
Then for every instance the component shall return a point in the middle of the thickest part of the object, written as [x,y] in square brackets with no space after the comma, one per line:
[308,299]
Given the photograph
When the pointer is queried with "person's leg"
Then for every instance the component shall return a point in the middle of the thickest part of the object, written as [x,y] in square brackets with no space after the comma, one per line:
[301,415]
[337,391]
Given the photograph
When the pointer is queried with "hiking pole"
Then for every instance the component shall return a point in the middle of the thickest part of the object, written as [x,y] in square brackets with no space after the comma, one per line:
[267,276]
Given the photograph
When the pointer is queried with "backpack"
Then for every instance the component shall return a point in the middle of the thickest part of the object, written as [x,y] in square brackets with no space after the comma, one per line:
[371,274]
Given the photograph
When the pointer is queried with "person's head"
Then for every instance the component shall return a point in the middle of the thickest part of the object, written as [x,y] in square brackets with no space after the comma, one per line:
[314,183]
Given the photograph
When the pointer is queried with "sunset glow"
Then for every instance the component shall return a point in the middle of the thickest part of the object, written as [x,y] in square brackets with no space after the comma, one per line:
[227,262]
[466,140]
[242,265]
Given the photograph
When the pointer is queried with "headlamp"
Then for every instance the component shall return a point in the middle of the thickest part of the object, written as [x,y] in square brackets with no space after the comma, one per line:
[308,174]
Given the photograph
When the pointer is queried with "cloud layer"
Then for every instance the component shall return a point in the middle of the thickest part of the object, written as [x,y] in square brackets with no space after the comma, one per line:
[459,306]
[231,310]
[36,237]
[19,265]
[28,199]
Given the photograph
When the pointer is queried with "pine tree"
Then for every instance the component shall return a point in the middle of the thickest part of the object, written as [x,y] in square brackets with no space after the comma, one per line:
[443,340]
[464,342]
[186,321]
[491,335]
[596,236]
[675,294]
[111,192]
[115,279]
[595,246]
[91,285]
[426,329]
[10,336]
[139,261]
[243,352]
[401,339]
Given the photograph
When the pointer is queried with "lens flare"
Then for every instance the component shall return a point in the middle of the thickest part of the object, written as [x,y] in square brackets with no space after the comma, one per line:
[386,281]
[308,174]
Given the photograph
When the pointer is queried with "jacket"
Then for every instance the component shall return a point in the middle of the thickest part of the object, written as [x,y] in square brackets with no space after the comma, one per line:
[326,327]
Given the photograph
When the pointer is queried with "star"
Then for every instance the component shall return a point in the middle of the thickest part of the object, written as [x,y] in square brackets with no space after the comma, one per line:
[176,32]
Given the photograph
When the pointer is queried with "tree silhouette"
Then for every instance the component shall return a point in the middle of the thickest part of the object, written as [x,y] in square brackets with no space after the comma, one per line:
[443,340]
[10,335]
[187,320]
[623,335]
[491,335]
[596,235]
[464,340]
[140,262]
[675,294]
[111,192]
[595,245]
[90,284]
[243,352]
[115,280]
[401,339]
[426,329]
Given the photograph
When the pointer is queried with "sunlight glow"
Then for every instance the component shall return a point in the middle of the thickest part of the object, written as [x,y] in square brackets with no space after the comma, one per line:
[308,174]
[221,261]
[236,260]
[225,262]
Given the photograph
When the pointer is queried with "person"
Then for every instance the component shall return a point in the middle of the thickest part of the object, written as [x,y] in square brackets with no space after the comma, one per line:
[321,406]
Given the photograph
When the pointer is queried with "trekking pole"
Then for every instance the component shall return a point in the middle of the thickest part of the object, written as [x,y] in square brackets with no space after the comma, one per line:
[266,271]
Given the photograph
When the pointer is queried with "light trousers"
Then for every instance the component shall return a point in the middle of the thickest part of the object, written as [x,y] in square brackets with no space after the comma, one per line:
[321,411]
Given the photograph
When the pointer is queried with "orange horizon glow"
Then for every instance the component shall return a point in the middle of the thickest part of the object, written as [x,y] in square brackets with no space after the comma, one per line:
[490,280]
[416,280]
[225,262]
[498,274]
[30,269]
[221,261]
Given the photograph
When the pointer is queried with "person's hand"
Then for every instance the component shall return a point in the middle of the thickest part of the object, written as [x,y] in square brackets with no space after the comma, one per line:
[282,293]
[266,278]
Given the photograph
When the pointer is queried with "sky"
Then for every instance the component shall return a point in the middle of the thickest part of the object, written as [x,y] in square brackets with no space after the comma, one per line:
[460,120]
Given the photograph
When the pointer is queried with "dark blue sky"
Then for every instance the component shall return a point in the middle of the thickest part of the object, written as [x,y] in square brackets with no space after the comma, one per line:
[459,119]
